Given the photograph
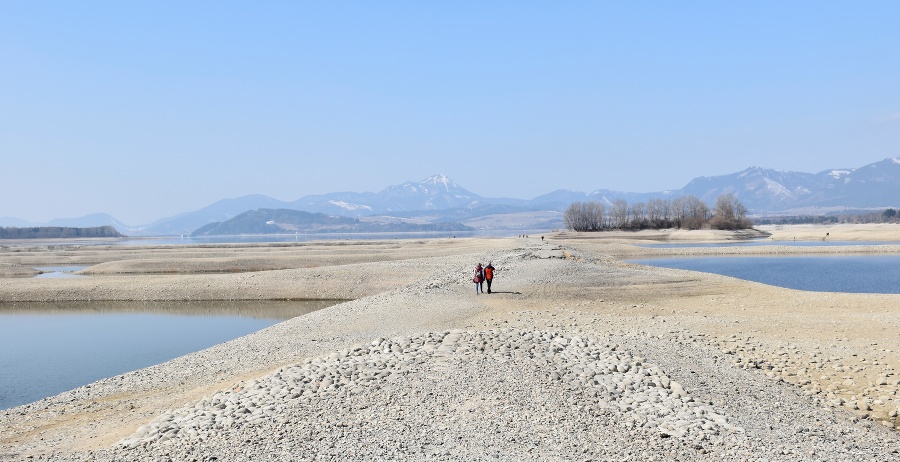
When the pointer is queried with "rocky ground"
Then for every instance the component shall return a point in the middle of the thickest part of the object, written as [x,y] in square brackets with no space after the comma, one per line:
[576,356]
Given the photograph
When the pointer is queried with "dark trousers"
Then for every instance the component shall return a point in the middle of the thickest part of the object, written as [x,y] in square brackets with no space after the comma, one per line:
[489,284]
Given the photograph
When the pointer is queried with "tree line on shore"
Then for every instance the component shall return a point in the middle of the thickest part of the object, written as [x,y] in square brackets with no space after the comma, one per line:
[56,232]
[886,216]
[686,212]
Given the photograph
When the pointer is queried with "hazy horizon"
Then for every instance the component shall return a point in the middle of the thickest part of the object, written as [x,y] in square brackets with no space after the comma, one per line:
[148,110]
[428,182]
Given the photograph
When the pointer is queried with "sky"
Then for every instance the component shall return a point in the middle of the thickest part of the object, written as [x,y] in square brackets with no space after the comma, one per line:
[147,109]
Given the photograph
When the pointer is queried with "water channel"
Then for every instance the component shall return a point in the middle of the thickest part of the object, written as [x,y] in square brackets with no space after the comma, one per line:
[764,242]
[877,274]
[278,238]
[48,348]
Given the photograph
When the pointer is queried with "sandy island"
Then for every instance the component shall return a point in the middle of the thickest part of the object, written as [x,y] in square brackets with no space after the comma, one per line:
[770,373]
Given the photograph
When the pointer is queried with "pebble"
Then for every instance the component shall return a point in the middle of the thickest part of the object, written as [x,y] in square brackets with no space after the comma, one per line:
[607,375]
[615,392]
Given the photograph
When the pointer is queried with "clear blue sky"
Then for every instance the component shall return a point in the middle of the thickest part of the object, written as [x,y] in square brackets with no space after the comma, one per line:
[146,109]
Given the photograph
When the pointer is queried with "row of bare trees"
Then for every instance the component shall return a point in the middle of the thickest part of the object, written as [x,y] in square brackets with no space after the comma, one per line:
[687,212]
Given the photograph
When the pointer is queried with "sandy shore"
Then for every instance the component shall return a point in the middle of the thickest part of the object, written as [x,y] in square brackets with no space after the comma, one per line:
[772,373]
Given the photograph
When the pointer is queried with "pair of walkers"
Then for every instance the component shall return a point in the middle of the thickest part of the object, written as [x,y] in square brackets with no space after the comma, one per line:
[483,274]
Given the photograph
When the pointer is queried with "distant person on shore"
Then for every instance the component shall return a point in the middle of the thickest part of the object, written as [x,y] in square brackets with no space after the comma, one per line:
[489,275]
[479,279]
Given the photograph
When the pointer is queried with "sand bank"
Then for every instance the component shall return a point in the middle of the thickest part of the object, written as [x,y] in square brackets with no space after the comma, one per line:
[790,374]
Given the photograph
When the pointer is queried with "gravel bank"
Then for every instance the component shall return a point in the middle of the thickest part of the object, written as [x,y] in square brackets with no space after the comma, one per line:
[577,356]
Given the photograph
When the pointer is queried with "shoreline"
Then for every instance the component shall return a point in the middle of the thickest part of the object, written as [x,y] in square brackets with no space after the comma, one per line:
[576,286]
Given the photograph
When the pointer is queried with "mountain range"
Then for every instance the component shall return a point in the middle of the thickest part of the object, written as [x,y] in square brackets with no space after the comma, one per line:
[438,199]
[286,221]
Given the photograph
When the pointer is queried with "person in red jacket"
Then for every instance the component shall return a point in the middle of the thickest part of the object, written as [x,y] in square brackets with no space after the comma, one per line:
[489,275]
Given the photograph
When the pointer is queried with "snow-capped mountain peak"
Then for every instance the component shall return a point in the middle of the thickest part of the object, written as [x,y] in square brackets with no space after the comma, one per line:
[837,174]
[761,190]
[433,193]
[439,182]
[350,206]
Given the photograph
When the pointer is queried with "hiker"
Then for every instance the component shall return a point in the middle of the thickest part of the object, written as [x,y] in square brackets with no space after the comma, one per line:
[479,279]
[489,275]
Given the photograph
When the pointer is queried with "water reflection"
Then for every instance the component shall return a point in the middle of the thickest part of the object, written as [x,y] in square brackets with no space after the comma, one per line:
[48,348]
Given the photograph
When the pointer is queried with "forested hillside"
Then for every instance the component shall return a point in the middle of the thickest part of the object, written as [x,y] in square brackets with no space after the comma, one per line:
[54,232]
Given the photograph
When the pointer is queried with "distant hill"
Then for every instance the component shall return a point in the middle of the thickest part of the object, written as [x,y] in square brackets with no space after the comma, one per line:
[430,196]
[285,221]
[763,190]
[15,222]
[57,232]
[438,199]
[219,211]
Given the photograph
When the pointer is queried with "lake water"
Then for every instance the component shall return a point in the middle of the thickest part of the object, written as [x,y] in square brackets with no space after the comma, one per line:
[263,238]
[878,274]
[48,348]
[765,242]
[51,272]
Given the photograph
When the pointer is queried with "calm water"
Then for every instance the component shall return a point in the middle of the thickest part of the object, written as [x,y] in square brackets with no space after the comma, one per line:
[879,274]
[59,271]
[48,348]
[765,242]
[262,238]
